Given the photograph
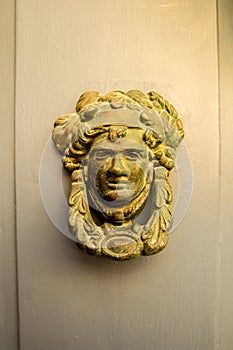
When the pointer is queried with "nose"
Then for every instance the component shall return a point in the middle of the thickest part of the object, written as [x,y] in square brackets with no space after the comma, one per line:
[118,166]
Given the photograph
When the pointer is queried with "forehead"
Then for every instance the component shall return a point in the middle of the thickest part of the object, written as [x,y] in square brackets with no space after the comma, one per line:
[132,139]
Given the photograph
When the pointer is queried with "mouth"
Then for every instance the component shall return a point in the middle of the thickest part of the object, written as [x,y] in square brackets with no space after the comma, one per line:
[118,184]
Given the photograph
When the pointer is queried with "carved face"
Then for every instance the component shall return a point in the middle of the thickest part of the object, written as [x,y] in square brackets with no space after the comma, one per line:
[119,169]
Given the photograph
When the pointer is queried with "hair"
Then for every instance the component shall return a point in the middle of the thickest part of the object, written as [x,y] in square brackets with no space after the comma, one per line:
[91,102]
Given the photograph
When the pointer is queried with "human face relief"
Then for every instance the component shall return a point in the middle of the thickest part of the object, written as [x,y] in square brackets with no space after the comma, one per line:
[118,170]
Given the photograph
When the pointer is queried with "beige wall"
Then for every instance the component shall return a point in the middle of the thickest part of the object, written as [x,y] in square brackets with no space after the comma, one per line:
[179,299]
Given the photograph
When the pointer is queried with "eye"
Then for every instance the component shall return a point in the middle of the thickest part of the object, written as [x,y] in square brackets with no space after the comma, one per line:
[100,155]
[132,154]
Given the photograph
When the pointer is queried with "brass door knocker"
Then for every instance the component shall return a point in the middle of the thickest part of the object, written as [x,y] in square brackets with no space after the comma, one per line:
[119,149]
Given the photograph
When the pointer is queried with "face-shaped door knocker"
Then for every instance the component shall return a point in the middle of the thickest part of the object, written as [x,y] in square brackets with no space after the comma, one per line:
[119,149]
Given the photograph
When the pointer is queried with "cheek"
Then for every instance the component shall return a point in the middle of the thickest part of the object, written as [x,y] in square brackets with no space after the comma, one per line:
[97,172]
[93,168]
[139,173]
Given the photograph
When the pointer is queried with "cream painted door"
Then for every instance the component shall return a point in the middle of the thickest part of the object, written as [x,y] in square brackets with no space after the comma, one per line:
[52,295]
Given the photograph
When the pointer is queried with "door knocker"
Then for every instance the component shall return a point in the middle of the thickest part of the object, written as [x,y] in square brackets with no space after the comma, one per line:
[119,149]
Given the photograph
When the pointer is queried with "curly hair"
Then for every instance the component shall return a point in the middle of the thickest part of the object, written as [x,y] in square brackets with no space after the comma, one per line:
[77,141]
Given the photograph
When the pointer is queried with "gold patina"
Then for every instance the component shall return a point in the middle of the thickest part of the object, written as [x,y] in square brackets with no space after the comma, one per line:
[119,149]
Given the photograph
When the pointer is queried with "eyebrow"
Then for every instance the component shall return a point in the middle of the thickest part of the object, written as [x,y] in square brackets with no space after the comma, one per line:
[132,149]
[124,151]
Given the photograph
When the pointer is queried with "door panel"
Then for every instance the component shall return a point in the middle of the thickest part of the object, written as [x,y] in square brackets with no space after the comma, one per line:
[226,97]
[8,278]
[73,301]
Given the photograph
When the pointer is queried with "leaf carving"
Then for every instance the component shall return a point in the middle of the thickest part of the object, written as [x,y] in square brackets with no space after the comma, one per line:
[156,237]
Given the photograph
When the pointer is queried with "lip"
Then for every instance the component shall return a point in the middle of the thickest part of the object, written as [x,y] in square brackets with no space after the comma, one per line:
[122,184]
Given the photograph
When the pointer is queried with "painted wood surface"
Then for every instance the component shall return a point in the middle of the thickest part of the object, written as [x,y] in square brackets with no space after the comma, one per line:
[74,301]
[225,15]
[178,299]
[8,278]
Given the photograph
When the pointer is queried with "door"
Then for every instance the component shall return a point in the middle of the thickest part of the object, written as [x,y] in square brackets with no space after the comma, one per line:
[54,296]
